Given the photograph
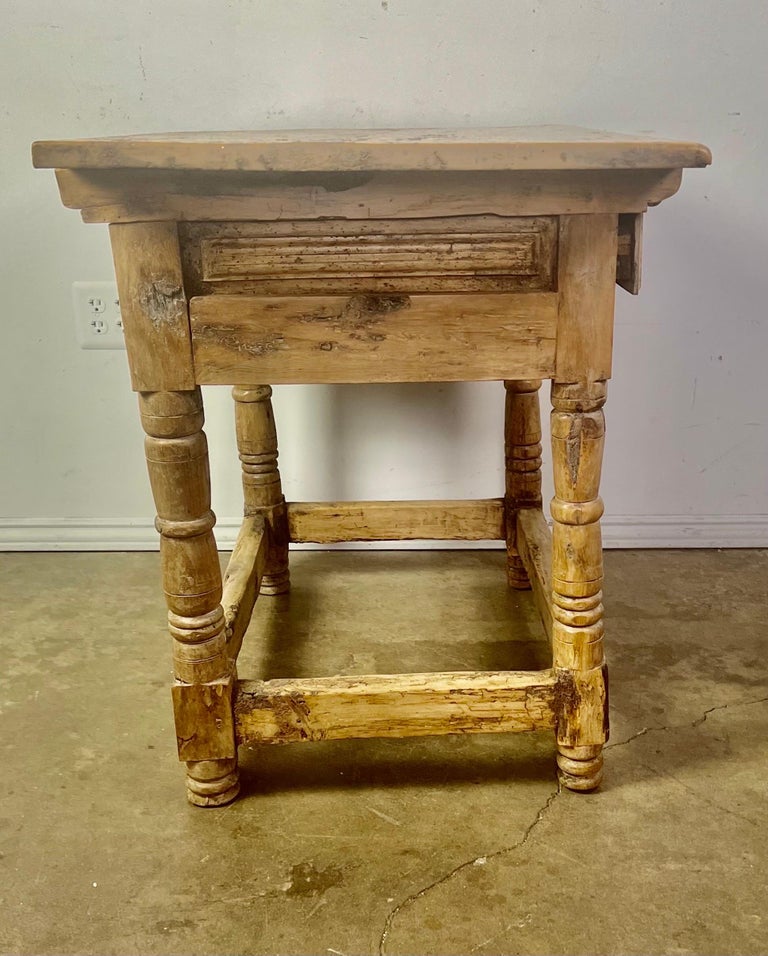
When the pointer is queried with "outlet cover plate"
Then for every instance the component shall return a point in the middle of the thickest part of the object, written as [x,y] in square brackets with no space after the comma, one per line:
[98,322]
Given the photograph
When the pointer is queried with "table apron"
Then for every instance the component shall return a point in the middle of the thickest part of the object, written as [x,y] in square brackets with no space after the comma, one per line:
[240,339]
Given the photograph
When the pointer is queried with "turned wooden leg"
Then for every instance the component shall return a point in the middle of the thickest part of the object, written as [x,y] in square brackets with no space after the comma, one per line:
[262,491]
[578,429]
[177,459]
[522,455]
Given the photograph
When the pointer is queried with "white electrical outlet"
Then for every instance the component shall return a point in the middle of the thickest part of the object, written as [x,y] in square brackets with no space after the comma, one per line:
[97,315]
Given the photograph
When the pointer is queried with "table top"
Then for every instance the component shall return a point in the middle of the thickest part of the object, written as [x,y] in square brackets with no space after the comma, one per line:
[324,150]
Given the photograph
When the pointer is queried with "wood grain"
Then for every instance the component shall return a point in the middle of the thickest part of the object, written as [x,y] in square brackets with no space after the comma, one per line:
[397,705]
[522,465]
[177,461]
[204,722]
[408,254]
[129,195]
[316,339]
[521,147]
[586,280]
[629,260]
[373,256]
[534,545]
[334,521]
[578,433]
[439,254]
[153,305]
[242,580]
[262,487]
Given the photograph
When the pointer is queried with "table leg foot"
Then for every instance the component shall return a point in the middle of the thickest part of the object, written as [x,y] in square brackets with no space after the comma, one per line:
[212,783]
[517,576]
[278,583]
[580,773]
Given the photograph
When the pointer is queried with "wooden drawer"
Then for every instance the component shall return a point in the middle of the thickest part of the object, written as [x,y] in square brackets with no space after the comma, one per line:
[250,339]
[453,254]
[444,299]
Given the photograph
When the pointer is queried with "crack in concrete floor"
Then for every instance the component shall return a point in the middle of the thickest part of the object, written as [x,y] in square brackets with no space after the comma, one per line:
[696,723]
[475,861]
[542,811]
[662,865]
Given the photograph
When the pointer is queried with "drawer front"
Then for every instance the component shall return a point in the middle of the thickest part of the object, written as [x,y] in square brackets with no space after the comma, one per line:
[250,339]
[457,254]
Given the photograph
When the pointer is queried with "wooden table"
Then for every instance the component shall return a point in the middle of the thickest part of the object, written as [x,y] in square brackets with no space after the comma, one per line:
[250,259]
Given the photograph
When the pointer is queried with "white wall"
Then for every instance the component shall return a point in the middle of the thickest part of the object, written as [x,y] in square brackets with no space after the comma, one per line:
[687,454]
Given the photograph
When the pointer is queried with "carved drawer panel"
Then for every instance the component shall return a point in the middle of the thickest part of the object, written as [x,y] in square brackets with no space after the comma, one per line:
[456,254]
[409,254]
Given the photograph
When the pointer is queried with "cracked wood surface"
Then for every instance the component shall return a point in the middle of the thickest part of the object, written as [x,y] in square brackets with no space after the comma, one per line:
[372,338]
[242,580]
[431,254]
[153,305]
[394,705]
[522,254]
[204,721]
[126,195]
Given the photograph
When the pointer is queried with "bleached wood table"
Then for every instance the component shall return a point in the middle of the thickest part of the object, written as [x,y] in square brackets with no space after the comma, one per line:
[250,259]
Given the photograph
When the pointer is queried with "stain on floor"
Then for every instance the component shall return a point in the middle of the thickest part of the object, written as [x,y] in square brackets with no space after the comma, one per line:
[450,845]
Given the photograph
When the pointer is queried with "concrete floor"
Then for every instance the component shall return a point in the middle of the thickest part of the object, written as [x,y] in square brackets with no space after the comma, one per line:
[439,846]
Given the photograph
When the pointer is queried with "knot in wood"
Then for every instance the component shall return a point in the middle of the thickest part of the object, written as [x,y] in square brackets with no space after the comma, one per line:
[369,306]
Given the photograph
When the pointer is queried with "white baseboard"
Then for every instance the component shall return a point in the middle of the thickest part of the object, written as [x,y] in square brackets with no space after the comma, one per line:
[619,531]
